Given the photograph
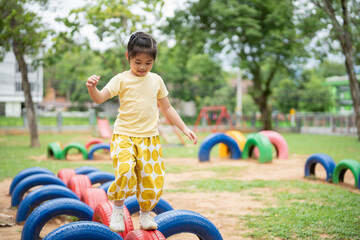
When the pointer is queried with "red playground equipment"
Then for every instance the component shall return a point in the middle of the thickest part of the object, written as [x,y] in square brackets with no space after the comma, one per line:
[104,128]
[217,113]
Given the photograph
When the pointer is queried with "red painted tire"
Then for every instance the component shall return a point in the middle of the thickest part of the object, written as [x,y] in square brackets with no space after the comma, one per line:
[141,234]
[279,142]
[93,197]
[66,174]
[79,183]
[103,212]
[93,141]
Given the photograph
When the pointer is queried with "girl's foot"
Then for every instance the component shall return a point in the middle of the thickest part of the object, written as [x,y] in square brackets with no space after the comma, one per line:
[117,223]
[147,222]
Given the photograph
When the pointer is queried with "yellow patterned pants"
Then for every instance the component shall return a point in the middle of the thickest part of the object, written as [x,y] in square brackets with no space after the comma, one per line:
[139,168]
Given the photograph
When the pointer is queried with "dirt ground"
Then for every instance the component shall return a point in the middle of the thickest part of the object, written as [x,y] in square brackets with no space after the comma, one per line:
[222,209]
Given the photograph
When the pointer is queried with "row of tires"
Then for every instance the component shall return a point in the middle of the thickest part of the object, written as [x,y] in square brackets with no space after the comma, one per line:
[334,172]
[56,151]
[72,194]
[236,145]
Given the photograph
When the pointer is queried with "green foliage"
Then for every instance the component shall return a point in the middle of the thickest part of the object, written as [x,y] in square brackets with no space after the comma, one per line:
[196,77]
[68,75]
[261,34]
[309,95]
[287,95]
[315,97]
[329,68]
[21,26]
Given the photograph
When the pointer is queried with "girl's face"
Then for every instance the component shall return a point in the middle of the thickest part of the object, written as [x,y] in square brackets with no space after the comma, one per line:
[141,64]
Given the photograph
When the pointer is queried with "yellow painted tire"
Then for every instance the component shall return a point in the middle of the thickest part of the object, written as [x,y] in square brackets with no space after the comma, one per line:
[239,138]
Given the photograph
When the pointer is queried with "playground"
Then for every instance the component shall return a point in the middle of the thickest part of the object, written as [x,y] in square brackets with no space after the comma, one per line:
[231,193]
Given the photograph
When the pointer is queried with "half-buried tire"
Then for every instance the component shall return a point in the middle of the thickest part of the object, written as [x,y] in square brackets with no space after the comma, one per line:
[83,230]
[184,221]
[40,195]
[25,173]
[323,159]
[51,209]
[31,181]
[215,138]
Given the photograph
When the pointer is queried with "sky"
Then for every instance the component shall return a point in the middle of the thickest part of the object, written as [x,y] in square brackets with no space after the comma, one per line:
[61,8]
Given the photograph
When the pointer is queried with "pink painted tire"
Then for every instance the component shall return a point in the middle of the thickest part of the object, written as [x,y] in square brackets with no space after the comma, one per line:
[79,183]
[140,234]
[93,141]
[278,141]
[93,197]
[66,174]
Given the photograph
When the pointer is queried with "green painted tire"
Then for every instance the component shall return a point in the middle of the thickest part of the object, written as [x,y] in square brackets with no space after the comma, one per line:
[54,150]
[262,143]
[77,145]
[343,166]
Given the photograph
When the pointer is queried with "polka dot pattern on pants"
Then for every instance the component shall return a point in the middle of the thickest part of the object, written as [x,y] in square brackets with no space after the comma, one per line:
[139,169]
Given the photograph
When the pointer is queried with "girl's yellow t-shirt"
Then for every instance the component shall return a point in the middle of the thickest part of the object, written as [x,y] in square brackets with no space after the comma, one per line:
[138,112]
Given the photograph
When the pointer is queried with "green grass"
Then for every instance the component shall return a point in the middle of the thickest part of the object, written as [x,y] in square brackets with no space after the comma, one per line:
[297,209]
[338,147]
[302,210]
[15,151]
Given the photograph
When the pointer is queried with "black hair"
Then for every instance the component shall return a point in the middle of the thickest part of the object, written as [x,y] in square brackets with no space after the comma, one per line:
[141,42]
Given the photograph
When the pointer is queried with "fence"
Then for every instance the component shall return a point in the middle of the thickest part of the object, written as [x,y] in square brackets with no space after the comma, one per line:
[327,123]
[314,123]
[53,121]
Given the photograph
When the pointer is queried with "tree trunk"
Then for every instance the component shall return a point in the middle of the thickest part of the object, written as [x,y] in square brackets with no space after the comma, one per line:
[354,88]
[261,93]
[344,35]
[29,105]
[265,114]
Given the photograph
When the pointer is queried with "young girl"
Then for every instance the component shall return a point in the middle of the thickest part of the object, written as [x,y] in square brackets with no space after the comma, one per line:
[136,151]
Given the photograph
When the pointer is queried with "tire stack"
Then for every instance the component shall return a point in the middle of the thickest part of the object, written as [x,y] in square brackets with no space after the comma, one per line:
[71,193]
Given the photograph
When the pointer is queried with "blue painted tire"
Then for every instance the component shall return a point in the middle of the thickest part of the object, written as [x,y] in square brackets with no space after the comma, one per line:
[106,185]
[83,230]
[184,221]
[325,160]
[32,181]
[133,206]
[100,177]
[53,208]
[40,195]
[25,173]
[215,138]
[97,147]
[85,170]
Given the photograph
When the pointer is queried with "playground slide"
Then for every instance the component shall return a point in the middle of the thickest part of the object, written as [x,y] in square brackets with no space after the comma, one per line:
[104,128]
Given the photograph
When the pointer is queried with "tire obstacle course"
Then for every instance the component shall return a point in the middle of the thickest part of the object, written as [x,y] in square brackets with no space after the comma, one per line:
[73,194]
[233,144]
[54,149]
[334,172]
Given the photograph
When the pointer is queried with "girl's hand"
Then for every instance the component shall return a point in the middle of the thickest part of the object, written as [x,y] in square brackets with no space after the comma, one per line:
[92,81]
[191,135]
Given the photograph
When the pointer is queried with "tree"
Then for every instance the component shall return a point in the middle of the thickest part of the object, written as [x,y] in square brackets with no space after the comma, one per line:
[343,17]
[191,76]
[114,21]
[22,31]
[262,34]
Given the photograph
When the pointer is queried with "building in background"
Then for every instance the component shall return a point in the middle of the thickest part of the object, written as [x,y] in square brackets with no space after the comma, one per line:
[12,99]
[340,88]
